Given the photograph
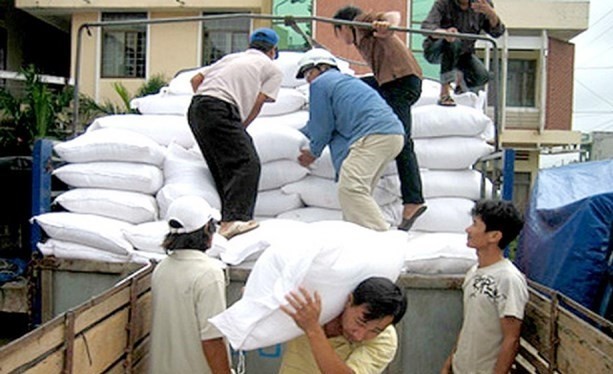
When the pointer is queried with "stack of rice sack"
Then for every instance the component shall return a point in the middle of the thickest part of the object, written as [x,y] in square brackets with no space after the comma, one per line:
[152,159]
[114,175]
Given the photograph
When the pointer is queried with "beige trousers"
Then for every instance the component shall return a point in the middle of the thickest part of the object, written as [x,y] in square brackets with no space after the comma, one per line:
[360,172]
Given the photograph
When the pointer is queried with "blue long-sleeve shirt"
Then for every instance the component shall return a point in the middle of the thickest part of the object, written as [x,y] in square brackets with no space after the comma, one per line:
[343,109]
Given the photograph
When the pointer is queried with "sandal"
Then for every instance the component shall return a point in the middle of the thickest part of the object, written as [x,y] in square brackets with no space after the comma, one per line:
[446,100]
[407,223]
[237,228]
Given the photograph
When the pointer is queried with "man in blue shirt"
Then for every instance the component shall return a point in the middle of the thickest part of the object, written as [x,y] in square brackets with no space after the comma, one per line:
[362,131]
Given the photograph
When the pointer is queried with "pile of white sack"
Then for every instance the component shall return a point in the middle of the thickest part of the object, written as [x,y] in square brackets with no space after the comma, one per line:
[126,170]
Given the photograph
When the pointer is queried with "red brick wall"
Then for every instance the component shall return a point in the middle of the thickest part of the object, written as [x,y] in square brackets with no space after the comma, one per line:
[324,32]
[560,64]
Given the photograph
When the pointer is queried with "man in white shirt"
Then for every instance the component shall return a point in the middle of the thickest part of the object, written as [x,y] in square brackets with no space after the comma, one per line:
[187,289]
[495,295]
[228,96]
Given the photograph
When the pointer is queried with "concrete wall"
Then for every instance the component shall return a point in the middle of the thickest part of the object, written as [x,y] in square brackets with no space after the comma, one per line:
[170,47]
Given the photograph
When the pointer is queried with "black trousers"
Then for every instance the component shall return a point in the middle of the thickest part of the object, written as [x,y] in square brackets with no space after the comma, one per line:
[400,94]
[451,57]
[230,154]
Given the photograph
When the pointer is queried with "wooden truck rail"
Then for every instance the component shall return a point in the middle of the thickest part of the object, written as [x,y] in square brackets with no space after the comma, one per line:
[107,334]
[110,334]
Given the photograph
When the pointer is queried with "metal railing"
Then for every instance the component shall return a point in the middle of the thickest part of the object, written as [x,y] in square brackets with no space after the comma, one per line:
[289,20]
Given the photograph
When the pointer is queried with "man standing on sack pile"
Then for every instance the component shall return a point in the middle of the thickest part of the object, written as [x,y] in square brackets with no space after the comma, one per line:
[362,131]
[228,96]
[397,78]
[457,56]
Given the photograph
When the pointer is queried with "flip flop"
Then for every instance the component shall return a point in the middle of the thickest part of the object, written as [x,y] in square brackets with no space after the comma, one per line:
[446,100]
[407,223]
[237,228]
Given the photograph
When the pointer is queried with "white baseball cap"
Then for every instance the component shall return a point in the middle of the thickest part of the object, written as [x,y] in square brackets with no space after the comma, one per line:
[189,213]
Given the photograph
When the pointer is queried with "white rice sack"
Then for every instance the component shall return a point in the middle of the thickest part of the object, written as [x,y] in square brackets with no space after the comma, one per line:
[76,251]
[288,101]
[431,121]
[288,63]
[181,84]
[330,257]
[170,192]
[323,167]
[323,193]
[315,191]
[147,236]
[312,214]
[186,166]
[304,89]
[162,103]
[111,145]
[132,207]
[275,141]
[438,253]
[125,176]
[279,173]
[186,173]
[163,129]
[87,229]
[451,152]
[273,202]
[443,183]
[445,214]
[145,258]
[249,246]
[430,92]
[295,120]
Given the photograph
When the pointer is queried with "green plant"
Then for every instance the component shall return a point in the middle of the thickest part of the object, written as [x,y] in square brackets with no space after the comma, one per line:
[151,86]
[33,114]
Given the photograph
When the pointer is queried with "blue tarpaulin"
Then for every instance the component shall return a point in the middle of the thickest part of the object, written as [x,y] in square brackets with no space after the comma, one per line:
[565,241]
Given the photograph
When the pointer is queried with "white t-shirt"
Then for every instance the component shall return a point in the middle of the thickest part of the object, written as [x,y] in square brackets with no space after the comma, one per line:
[490,294]
[187,288]
[238,78]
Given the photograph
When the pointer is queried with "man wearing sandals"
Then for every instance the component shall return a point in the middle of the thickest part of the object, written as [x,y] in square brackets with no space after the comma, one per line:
[228,96]
[457,56]
[363,134]
[397,78]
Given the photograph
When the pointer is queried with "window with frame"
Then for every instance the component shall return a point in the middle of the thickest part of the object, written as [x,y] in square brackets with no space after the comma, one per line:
[124,47]
[521,83]
[222,37]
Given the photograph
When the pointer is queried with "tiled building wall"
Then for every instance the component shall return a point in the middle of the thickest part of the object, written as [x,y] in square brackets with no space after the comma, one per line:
[560,65]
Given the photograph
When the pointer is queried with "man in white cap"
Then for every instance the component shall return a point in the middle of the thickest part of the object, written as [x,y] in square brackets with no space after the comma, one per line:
[361,130]
[228,96]
[188,288]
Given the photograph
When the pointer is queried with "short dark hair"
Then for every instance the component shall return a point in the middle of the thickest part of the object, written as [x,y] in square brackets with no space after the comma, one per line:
[261,46]
[500,216]
[382,298]
[347,13]
[199,239]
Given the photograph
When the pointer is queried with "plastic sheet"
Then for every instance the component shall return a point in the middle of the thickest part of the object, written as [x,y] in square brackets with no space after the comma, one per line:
[565,242]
